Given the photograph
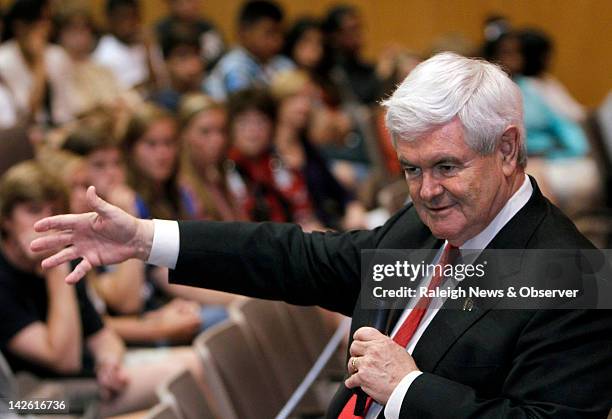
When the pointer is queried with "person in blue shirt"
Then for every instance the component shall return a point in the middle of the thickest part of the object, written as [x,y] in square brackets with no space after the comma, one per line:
[557,146]
[549,134]
[255,60]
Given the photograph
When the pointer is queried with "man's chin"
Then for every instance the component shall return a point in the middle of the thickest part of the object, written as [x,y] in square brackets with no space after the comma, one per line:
[445,232]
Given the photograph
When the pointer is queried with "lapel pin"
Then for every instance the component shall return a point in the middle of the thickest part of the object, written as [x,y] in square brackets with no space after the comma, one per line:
[468,304]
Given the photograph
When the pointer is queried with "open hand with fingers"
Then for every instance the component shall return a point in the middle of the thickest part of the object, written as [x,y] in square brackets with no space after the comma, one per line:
[377,364]
[105,236]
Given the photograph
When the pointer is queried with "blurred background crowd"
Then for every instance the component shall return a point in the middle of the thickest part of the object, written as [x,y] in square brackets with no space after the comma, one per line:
[173,121]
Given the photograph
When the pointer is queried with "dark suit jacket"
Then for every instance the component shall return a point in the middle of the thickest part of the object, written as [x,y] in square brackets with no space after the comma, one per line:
[481,363]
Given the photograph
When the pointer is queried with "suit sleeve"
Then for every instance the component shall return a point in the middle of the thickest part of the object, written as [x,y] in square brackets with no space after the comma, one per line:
[274,261]
[561,369]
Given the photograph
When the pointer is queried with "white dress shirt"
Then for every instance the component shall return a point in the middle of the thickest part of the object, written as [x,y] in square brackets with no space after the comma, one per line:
[127,62]
[165,250]
[19,80]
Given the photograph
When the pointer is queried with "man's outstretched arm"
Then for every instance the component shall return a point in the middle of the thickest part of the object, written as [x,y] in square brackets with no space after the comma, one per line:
[276,261]
[273,261]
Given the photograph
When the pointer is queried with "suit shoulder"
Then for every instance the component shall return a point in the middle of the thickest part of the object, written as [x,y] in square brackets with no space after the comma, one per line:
[557,231]
[403,230]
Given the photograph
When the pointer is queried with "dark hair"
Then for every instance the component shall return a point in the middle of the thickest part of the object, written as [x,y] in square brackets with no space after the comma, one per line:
[27,11]
[179,34]
[536,47]
[256,10]
[253,99]
[86,140]
[112,5]
[296,32]
[490,49]
[335,15]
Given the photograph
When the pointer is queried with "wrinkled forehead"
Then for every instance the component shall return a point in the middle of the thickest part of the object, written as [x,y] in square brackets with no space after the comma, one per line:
[447,140]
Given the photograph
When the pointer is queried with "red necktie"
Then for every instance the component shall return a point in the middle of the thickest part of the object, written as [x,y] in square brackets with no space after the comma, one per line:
[410,325]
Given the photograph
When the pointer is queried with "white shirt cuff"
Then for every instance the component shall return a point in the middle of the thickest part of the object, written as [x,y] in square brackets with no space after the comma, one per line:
[394,404]
[166,244]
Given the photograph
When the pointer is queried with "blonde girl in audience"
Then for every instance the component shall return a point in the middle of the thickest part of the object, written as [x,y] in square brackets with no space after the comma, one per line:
[204,173]
[151,146]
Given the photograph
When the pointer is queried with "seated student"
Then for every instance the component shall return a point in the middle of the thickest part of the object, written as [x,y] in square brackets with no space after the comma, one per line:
[126,50]
[189,12]
[537,50]
[204,172]
[36,76]
[344,30]
[94,85]
[38,332]
[255,59]
[334,205]
[557,146]
[136,308]
[268,189]
[150,145]
[181,49]
[549,134]
[304,45]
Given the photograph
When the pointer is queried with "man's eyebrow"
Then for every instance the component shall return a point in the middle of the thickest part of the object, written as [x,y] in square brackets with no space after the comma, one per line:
[441,159]
[404,163]
[448,159]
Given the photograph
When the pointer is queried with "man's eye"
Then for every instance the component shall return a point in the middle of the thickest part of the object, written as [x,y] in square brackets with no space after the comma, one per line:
[412,171]
[447,169]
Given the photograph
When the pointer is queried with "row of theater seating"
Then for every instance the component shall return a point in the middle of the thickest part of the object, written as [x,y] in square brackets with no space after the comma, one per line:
[252,362]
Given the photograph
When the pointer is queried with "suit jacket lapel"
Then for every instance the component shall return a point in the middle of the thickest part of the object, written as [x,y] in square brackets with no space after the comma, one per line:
[456,316]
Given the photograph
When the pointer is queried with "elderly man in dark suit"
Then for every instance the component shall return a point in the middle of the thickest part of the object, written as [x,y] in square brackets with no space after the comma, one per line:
[458,131]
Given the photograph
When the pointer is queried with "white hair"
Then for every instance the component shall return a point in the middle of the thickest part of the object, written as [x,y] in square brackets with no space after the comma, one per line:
[446,86]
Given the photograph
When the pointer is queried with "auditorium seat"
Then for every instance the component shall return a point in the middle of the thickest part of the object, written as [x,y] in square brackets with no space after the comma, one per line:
[280,347]
[314,334]
[183,392]
[80,393]
[8,386]
[237,378]
[162,411]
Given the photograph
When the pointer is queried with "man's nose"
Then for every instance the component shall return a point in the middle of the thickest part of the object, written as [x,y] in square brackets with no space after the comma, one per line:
[430,187]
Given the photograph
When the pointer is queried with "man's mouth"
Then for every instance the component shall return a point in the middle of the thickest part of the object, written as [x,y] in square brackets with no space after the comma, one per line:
[439,209]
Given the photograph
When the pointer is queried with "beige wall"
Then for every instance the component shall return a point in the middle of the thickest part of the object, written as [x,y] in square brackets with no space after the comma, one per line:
[581,28]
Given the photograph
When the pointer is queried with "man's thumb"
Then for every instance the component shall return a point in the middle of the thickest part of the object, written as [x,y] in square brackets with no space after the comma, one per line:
[96,203]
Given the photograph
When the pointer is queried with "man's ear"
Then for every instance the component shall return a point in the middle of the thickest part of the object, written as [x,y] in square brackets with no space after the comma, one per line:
[508,149]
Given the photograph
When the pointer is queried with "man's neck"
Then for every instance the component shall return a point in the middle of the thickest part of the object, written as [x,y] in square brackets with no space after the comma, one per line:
[516,183]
